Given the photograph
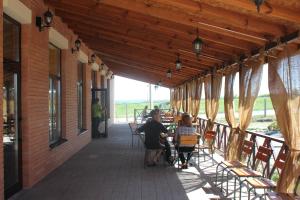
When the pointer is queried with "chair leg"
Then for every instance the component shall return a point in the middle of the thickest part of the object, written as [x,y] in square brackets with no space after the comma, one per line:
[222,178]
[227,183]
[216,181]
[198,157]
[240,182]
[249,192]
[234,188]
[131,140]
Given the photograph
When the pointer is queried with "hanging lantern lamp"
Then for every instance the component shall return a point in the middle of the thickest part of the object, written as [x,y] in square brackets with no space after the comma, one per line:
[178,63]
[258,3]
[197,44]
[169,73]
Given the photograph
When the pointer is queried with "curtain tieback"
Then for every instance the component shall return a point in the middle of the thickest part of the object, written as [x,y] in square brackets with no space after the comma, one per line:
[236,130]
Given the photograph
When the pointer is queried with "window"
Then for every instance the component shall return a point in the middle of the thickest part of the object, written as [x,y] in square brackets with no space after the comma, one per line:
[94,79]
[108,98]
[11,40]
[54,95]
[80,99]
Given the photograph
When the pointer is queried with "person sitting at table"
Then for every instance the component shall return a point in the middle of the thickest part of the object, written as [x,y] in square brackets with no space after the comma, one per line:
[185,127]
[153,129]
[144,113]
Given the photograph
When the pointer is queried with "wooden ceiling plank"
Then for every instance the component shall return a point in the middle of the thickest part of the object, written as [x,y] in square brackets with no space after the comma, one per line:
[114,22]
[139,6]
[222,16]
[107,46]
[266,9]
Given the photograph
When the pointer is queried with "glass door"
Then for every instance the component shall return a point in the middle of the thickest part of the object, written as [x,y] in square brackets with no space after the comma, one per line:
[99,113]
[11,107]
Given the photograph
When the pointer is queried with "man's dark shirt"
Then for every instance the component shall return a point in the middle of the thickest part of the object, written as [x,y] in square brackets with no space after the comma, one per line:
[152,130]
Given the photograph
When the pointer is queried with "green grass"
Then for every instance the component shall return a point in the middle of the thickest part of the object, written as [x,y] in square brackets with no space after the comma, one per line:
[121,107]
[258,105]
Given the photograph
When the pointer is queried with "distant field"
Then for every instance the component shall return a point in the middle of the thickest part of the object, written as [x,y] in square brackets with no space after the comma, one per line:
[120,108]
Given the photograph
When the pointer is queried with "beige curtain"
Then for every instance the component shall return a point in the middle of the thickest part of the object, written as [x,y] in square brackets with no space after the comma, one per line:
[195,92]
[250,80]
[184,98]
[229,114]
[190,97]
[178,98]
[172,99]
[284,86]
[212,87]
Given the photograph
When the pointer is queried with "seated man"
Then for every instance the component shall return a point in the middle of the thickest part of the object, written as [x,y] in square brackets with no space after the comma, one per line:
[153,128]
[185,128]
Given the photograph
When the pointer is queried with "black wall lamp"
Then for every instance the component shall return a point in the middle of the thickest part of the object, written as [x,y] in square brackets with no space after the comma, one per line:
[77,46]
[93,59]
[46,21]
[258,3]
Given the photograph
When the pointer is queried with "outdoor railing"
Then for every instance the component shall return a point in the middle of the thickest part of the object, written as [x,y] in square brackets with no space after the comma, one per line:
[138,113]
[259,139]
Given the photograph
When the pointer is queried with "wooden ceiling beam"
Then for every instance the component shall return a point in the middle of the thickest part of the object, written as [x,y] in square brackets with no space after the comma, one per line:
[138,74]
[221,17]
[186,72]
[266,10]
[148,8]
[144,56]
[156,40]
[128,24]
[211,51]
[178,76]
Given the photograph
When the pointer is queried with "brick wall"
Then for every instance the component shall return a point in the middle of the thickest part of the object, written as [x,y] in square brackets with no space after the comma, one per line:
[38,159]
[1,119]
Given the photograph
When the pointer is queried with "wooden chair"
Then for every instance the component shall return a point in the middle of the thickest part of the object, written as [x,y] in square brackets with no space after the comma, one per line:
[262,156]
[285,196]
[209,138]
[186,140]
[133,127]
[267,183]
[247,149]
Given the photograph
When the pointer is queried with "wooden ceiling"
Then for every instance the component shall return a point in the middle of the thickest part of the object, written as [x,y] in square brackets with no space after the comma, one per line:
[140,39]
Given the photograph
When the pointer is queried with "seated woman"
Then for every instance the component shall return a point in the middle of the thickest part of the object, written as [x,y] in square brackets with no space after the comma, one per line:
[185,128]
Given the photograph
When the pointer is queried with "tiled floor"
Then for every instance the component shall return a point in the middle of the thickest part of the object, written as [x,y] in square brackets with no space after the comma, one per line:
[109,169]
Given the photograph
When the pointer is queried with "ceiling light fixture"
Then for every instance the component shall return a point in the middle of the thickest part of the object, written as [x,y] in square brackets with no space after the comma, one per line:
[178,63]
[169,73]
[197,44]
[258,3]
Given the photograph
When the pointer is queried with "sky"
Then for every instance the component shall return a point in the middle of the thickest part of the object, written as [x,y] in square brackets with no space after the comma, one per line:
[129,90]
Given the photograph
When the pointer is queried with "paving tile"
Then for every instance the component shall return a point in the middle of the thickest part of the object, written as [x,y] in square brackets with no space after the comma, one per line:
[109,169]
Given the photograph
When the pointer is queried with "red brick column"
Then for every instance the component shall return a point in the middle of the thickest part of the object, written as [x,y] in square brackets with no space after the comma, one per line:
[1,101]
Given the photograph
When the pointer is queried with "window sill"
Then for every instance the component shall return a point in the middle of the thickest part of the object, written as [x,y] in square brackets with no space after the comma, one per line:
[57,143]
[82,132]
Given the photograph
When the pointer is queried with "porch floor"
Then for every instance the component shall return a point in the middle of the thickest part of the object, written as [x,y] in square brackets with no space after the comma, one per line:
[110,169]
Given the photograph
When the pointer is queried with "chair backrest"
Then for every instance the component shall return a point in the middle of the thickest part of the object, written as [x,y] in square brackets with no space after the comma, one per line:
[263,155]
[210,136]
[247,149]
[188,139]
[280,160]
[132,126]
